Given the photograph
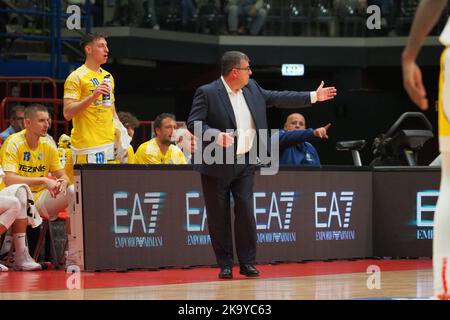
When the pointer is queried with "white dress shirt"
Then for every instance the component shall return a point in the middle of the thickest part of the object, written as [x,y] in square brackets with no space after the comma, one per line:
[245,125]
[246,130]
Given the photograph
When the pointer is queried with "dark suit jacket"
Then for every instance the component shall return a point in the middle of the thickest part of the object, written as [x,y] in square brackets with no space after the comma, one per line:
[212,106]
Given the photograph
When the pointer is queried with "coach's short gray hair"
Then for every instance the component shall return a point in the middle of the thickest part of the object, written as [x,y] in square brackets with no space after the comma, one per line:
[232,59]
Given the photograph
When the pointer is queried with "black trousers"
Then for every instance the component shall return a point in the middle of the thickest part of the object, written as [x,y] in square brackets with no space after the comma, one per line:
[217,200]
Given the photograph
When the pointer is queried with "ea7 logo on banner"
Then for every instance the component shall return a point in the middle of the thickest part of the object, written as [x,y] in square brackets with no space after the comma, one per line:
[273,220]
[425,208]
[333,211]
[196,220]
[124,222]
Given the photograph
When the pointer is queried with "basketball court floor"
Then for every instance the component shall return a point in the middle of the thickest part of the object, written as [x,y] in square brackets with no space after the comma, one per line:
[314,280]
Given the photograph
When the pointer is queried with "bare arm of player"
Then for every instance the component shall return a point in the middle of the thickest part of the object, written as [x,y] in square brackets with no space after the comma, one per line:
[62,179]
[427,14]
[73,107]
[50,184]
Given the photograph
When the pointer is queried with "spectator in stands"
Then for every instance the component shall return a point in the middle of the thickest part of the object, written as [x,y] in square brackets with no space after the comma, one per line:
[243,14]
[188,12]
[209,17]
[160,149]
[16,117]
[346,12]
[294,148]
[128,13]
[96,7]
[345,8]
[29,157]
[14,205]
[130,122]
[151,17]
[187,142]
[387,15]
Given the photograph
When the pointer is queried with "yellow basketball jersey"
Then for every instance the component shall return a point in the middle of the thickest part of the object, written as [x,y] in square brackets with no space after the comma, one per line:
[130,155]
[149,153]
[444,95]
[66,158]
[94,126]
[16,156]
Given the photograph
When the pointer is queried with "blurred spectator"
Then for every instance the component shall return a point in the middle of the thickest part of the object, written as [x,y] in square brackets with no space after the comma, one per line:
[187,142]
[210,17]
[188,12]
[151,17]
[16,120]
[387,15]
[160,149]
[246,16]
[350,13]
[345,8]
[128,13]
[96,10]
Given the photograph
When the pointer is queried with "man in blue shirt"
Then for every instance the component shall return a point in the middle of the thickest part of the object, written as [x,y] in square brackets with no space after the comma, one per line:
[16,121]
[294,150]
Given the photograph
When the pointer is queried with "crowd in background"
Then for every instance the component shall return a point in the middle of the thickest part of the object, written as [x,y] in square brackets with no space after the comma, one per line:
[230,17]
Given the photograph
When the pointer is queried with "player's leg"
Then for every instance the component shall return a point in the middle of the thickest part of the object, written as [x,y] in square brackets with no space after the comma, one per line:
[441,233]
[9,210]
[21,259]
[49,208]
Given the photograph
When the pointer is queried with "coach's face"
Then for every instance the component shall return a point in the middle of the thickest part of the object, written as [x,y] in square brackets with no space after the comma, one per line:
[244,72]
[38,123]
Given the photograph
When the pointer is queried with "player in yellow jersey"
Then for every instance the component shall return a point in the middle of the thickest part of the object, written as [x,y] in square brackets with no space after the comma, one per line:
[92,134]
[160,149]
[427,14]
[29,156]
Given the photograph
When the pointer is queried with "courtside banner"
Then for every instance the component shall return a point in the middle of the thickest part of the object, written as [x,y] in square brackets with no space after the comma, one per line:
[404,201]
[154,216]
[313,215]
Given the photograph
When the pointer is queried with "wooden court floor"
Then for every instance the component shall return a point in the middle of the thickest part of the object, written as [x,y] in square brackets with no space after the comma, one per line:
[409,279]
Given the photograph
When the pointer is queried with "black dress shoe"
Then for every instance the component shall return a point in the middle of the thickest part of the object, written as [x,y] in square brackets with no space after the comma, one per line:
[225,273]
[249,270]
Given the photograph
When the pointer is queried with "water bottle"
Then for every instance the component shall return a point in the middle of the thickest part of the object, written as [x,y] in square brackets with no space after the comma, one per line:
[107,98]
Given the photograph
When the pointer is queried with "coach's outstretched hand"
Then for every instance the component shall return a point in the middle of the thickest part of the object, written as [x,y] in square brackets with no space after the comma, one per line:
[327,93]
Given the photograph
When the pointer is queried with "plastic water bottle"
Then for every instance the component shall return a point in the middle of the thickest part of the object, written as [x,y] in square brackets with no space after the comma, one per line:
[107,98]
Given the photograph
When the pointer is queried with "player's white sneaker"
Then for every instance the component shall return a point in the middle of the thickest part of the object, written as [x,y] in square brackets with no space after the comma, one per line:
[3,268]
[22,261]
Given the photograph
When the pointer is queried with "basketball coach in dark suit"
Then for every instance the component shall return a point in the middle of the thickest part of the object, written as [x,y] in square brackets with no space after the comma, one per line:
[236,102]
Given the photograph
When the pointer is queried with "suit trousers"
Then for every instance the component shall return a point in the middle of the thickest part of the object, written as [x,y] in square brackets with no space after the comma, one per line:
[217,200]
